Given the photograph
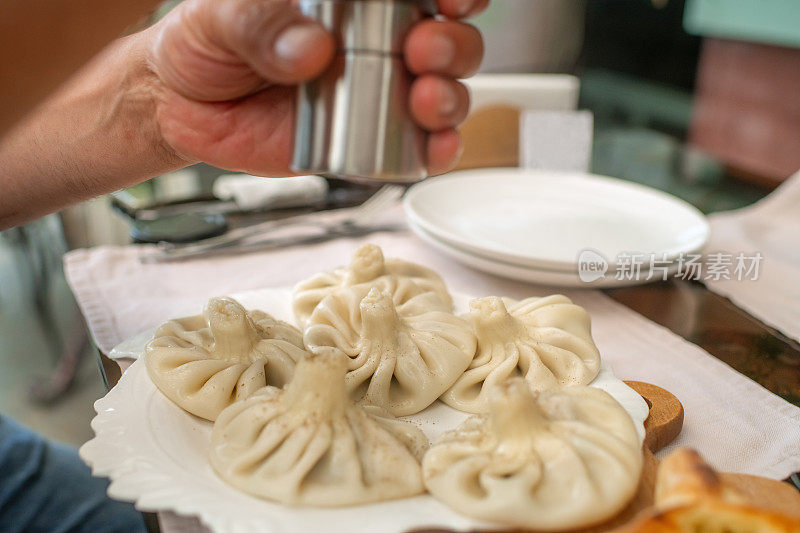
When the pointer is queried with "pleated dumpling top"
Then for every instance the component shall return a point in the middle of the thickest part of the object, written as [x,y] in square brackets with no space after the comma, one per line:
[206,362]
[308,444]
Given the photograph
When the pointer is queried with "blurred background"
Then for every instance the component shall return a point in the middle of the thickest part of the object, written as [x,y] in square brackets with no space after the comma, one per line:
[700,98]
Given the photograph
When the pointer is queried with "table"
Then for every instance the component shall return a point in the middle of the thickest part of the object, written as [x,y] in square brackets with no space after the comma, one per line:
[699,316]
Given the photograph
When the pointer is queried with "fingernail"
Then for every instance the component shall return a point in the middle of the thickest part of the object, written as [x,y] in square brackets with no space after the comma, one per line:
[297,42]
[448,100]
[442,52]
[464,7]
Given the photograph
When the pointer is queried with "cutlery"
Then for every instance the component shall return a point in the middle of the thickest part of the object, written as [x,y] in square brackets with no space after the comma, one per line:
[315,226]
[327,234]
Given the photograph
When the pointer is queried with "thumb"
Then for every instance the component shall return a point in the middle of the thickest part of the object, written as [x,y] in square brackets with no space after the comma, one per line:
[223,49]
[273,37]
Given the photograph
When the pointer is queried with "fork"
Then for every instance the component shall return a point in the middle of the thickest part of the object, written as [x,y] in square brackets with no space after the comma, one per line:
[331,222]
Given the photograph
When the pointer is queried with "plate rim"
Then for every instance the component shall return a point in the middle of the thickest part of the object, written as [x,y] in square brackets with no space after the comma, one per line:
[554,278]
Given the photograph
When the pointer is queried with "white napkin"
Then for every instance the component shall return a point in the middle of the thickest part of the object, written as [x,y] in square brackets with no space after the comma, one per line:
[735,423]
[251,192]
[770,228]
[557,140]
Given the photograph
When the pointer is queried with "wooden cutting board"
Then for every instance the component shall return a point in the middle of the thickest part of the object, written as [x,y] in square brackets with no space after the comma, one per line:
[663,425]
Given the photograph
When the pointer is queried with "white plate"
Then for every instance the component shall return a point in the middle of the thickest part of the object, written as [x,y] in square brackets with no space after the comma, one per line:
[539,276]
[156,456]
[545,219]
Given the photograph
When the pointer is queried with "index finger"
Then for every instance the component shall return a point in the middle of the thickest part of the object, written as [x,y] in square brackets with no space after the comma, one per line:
[459,9]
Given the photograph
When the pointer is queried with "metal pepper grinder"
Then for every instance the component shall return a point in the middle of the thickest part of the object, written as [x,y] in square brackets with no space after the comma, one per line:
[354,122]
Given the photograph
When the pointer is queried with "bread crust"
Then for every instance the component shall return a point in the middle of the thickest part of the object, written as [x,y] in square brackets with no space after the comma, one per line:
[691,497]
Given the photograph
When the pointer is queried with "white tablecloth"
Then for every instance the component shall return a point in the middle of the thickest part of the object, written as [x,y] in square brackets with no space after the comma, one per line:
[769,229]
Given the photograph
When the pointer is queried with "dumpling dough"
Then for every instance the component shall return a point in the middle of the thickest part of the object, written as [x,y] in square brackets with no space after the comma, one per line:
[548,341]
[204,363]
[400,278]
[554,460]
[397,360]
[310,445]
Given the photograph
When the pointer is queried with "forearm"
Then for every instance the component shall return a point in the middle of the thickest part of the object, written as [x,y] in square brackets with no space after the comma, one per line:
[96,135]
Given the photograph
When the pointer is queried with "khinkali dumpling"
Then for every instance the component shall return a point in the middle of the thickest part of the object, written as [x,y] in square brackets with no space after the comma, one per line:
[308,444]
[402,279]
[398,360]
[548,341]
[204,363]
[555,460]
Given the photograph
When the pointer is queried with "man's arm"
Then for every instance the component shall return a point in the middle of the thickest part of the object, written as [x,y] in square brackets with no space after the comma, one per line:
[211,82]
[97,134]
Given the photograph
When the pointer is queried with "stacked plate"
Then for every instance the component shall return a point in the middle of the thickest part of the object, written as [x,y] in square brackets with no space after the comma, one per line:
[554,228]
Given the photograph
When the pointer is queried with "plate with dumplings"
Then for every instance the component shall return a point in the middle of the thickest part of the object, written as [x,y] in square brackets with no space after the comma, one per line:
[370,398]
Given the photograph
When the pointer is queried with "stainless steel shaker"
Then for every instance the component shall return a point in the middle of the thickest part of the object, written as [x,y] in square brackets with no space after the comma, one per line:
[353,122]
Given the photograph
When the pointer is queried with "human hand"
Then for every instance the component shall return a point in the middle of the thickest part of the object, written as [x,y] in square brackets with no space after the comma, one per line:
[224,70]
